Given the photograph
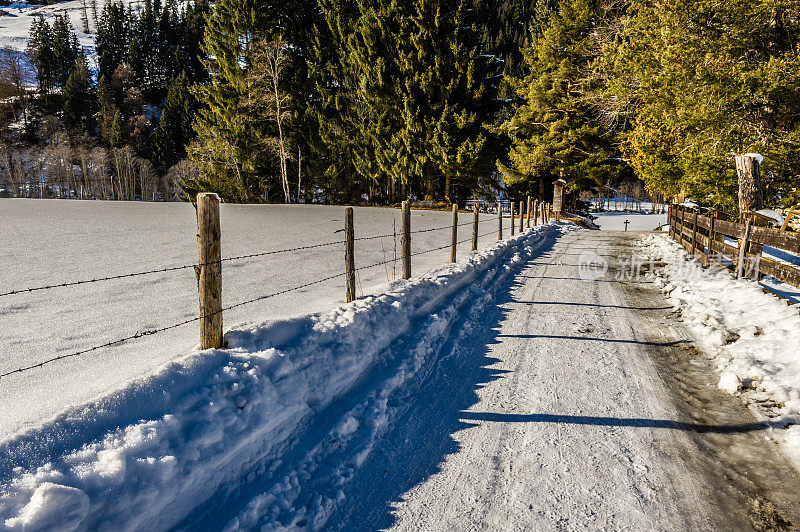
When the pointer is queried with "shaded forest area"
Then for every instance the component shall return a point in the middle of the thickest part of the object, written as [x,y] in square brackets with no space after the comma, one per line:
[375,101]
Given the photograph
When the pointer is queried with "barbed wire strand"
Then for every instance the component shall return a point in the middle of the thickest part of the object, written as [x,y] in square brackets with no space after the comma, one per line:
[192,266]
[151,332]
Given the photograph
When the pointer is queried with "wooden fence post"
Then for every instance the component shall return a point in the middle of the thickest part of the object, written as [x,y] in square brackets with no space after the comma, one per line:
[694,232]
[743,244]
[511,206]
[536,212]
[475,229]
[671,220]
[521,218]
[454,234]
[499,221]
[528,211]
[712,221]
[751,195]
[788,218]
[349,259]
[210,270]
[405,242]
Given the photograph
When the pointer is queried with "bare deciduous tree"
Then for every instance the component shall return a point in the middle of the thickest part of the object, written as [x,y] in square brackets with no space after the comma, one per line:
[269,60]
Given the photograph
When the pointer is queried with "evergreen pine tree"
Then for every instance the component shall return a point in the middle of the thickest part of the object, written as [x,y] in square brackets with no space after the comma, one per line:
[175,127]
[414,90]
[117,133]
[554,132]
[228,150]
[65,48]
[78,98]
[113,37]
[41,50]
[709,80]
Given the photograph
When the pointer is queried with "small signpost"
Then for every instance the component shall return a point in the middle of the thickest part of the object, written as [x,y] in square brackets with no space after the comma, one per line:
[626,224]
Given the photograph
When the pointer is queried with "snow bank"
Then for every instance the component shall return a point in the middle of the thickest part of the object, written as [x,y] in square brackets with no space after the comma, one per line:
[166,447]
[753,337]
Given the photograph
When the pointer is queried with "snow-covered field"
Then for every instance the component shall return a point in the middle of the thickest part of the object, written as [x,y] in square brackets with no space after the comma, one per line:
[753,337]
[15,25]
[46,242]
[615,221]
[148,454]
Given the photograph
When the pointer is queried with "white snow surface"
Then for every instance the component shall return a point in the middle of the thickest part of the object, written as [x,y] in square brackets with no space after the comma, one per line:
[753,337]
[47,242]
[615,221]
[15,26]
[151,453]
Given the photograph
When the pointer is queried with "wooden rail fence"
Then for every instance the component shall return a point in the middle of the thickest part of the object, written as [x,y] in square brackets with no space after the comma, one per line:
[709,237]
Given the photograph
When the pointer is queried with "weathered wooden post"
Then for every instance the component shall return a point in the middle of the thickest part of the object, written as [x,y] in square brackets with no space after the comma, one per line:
[511,206]
[558,197]
[521,218]
[528,212]
[694,232]
[751,196]
[349,258]
[405,241]
[475,229]
[209,276]
[499,221]
[671,220]
[454,234]
[711,235]
[536,212]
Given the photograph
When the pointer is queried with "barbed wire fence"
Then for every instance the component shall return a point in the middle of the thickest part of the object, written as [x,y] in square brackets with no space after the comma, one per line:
[196,267]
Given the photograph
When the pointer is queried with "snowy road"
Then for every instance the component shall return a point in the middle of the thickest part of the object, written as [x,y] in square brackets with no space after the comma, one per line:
[502,392]
[577,406]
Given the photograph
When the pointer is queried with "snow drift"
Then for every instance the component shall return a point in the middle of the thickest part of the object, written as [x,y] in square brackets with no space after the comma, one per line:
[167,449]
[753,337]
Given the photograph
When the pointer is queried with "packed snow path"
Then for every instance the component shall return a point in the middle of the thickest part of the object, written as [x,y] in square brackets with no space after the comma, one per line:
[501,392]
[578,405]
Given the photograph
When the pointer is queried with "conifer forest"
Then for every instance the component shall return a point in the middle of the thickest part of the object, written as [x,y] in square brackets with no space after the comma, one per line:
[377,101]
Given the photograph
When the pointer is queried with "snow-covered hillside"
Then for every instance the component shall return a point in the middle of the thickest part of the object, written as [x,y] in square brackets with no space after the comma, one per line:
[15,24]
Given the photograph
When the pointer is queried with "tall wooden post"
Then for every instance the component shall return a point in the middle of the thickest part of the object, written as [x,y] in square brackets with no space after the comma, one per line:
[349,258]
[512,217]
[405,242]
[454,234]
[558,196]
[536,212]
[712,220]
[209,270]
[712,232]
[751,196]
[475,229]
[521,218]
[499,221]
[694,232]
[528,211]
[671,220]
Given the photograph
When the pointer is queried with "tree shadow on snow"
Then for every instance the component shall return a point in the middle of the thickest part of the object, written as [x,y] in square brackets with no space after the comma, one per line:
[422,437]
